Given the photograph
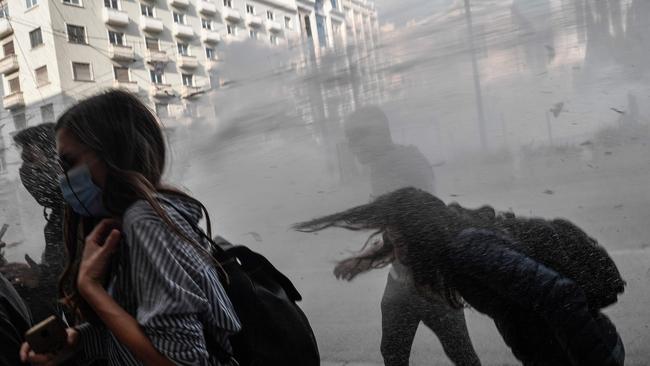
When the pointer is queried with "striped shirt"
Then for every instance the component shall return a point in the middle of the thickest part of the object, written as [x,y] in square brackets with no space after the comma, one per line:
[170,288]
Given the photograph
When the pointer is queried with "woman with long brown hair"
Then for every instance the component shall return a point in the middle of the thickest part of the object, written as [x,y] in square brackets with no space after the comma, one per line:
[139,276]
[543,282]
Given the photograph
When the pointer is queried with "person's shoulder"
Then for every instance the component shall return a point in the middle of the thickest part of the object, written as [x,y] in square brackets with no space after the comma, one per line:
[140,211]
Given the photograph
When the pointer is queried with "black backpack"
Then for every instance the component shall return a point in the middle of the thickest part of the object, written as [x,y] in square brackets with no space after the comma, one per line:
[274,331]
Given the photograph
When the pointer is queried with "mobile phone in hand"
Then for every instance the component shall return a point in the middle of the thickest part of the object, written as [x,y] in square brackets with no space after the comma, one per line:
[48,336]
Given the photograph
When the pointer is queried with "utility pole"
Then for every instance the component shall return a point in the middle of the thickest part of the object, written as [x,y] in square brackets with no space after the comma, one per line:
[477,80]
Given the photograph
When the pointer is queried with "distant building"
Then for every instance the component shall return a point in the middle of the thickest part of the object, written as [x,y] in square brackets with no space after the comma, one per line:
[166,51]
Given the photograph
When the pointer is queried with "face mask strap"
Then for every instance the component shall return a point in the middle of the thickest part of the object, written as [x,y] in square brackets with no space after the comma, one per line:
[75,195]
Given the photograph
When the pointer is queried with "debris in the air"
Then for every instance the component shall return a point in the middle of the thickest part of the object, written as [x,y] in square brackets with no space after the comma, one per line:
[557,109]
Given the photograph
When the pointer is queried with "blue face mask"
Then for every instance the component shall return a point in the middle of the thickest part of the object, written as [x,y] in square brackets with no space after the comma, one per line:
[81,193]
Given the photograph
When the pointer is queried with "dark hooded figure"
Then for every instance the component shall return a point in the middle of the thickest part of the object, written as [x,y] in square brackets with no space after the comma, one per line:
[393,166]
[543,282]
[37,283]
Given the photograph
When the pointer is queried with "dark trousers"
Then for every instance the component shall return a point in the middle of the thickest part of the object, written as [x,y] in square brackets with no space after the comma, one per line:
[402,309]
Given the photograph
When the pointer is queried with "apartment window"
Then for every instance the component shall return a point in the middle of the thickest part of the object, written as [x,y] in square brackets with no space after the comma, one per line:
[162,110]
[214,81]
[36,37]
[252,33]
[227,3]
[20,121]
[112,4]
[152,44]
[73,2]
[156,76]
[206,23]
[187,79]
[116,38]
[14,85]
[209,53]
[76,34]
[183,49]
[81,71]
[179,18]
[9,48]
[336,29]
[230,29]
[41,76]
[146,10]
[274,39]
[250,9]
[270,15]
[287,22]
[47,113]
[4,10]
[31,3]
[190,110]
[334,5]
[121,74]
[307,26]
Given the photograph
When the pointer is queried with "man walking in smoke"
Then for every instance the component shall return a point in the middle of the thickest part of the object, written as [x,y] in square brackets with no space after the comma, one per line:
[37,283]
[394,166]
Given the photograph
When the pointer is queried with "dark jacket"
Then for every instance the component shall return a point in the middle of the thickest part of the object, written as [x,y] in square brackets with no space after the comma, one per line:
[542,315]
[15,320]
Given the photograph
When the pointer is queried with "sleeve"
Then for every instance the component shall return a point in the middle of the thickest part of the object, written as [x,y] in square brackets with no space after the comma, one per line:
[92,343]
[587,339]
[169,301]
[9,342]
[15,320]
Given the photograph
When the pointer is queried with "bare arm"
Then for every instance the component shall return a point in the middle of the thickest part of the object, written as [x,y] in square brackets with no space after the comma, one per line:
[91,276]
[376,254]
[125,328]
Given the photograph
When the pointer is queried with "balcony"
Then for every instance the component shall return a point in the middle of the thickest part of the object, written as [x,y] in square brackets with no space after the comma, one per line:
[336,13]
[152,25]
[9,64]
[207,8]
[210,36]
[5,28]
[179,3]
[161,91]
[187,62]
[254,20]
[183,31]
[273,26]
[154,57]
[231,15]
[114,17]
[121,53]
[13,100]
[130,86]
[191,91]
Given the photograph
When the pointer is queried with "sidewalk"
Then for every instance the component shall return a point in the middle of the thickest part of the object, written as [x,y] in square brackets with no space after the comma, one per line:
[346,320]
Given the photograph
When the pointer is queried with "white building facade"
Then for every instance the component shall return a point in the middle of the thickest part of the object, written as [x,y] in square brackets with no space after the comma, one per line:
[165,51]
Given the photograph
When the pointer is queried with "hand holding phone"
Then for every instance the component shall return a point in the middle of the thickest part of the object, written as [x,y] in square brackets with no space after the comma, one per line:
[48,336]
[49,342]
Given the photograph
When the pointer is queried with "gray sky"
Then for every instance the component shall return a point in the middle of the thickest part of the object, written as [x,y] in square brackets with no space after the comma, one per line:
[401,11]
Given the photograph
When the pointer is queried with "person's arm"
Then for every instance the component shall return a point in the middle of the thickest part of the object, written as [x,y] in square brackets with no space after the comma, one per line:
[347,269]
[166,274]
[484,257]
[122,325]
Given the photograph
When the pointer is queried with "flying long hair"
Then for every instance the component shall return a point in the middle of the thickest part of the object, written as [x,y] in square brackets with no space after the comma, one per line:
[427,221]
[428,227]
[128,138]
